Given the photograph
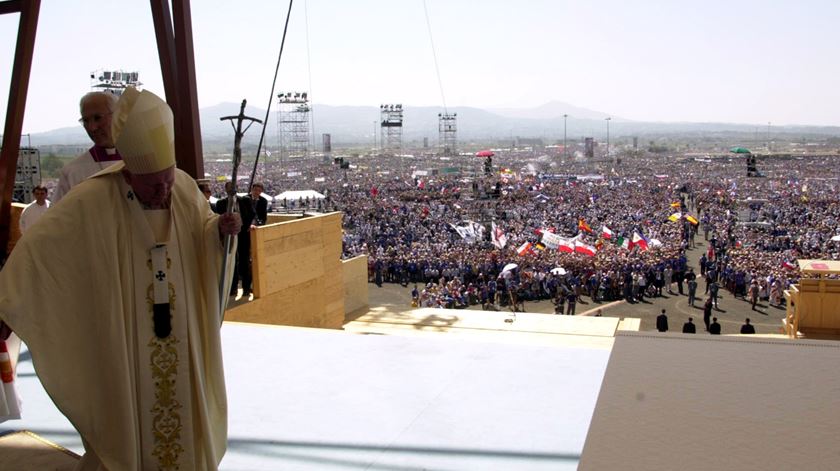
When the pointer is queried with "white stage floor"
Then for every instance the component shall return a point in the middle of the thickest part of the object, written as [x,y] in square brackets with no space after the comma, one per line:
[309,399]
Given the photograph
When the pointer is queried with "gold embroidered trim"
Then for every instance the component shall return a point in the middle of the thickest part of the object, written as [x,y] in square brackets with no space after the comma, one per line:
[166,421]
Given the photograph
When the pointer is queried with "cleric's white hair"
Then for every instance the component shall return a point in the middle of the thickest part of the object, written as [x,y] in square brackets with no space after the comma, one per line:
[110,98]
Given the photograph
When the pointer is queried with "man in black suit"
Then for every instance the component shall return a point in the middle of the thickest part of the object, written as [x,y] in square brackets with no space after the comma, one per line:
[662,322]
[253,210]
[714,328]
[747,328]
[707,312]
[689,327]
[258,203]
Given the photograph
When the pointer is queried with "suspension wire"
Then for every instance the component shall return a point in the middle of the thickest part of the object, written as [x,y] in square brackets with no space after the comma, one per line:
[434,55]
[270,97]
[309,70]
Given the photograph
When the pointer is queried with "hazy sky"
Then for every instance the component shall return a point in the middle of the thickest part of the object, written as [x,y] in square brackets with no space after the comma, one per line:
[743,61]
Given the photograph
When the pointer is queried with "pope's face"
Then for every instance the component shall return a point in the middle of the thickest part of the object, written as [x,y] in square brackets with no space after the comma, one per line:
[153,189]
[96,119]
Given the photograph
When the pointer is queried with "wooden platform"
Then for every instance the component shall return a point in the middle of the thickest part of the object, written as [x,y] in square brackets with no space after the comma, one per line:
[25,451]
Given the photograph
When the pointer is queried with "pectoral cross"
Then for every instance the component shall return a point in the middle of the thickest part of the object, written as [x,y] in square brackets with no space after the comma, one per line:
[161,317]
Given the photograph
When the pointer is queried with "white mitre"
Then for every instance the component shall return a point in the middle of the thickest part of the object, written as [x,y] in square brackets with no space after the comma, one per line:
[143,130]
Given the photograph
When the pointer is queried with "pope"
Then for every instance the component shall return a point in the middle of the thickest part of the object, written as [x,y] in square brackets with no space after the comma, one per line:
[115,292]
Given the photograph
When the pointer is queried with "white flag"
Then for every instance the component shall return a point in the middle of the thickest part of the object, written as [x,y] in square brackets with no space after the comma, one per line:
[551,240]
[498,237]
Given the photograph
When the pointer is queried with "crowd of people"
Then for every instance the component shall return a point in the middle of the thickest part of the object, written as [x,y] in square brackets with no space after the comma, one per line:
[403,214]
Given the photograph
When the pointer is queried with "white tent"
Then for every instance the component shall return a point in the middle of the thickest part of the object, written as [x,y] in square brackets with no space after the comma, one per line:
[264,196]
[295,195]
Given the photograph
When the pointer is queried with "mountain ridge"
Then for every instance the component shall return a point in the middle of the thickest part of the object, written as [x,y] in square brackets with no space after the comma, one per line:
[354,125]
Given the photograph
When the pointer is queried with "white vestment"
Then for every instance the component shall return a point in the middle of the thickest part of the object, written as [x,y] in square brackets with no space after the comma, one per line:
[31,213]
[78,289]
[77,170]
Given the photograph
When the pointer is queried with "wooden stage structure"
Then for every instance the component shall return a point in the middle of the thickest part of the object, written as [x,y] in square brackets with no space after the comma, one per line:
[813,304]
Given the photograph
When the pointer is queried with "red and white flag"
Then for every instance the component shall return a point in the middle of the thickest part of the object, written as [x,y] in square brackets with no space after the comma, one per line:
[498,237]
[606,233]
[585,249]
[566,245]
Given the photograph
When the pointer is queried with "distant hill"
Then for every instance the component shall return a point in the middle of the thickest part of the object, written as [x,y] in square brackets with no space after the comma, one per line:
[355,125]
[552,110]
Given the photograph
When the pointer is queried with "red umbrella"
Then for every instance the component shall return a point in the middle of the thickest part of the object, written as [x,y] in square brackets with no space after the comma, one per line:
[484,153]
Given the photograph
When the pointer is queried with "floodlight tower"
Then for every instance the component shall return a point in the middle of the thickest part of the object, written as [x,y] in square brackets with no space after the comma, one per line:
[28,174]
[391,124]
[293,124]
[114,81]
[448,133]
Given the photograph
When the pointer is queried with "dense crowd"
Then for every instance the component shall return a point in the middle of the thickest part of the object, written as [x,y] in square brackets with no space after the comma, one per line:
[757,228]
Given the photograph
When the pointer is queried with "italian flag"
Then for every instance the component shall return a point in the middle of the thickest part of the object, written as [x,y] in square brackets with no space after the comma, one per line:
[624,243]
[606,233]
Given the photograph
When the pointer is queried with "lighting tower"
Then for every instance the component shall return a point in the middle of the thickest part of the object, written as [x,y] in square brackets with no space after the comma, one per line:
[565,151]
[448,133]
[28,174]
[391,124]
[293,124]
[114,81]
[608,136]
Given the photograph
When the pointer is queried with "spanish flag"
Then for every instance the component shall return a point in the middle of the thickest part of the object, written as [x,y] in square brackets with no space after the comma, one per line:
[675,204]
[583,226]
[691,219]
[524,249]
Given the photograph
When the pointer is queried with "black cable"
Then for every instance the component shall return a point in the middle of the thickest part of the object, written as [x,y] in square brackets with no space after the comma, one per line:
[270,97]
